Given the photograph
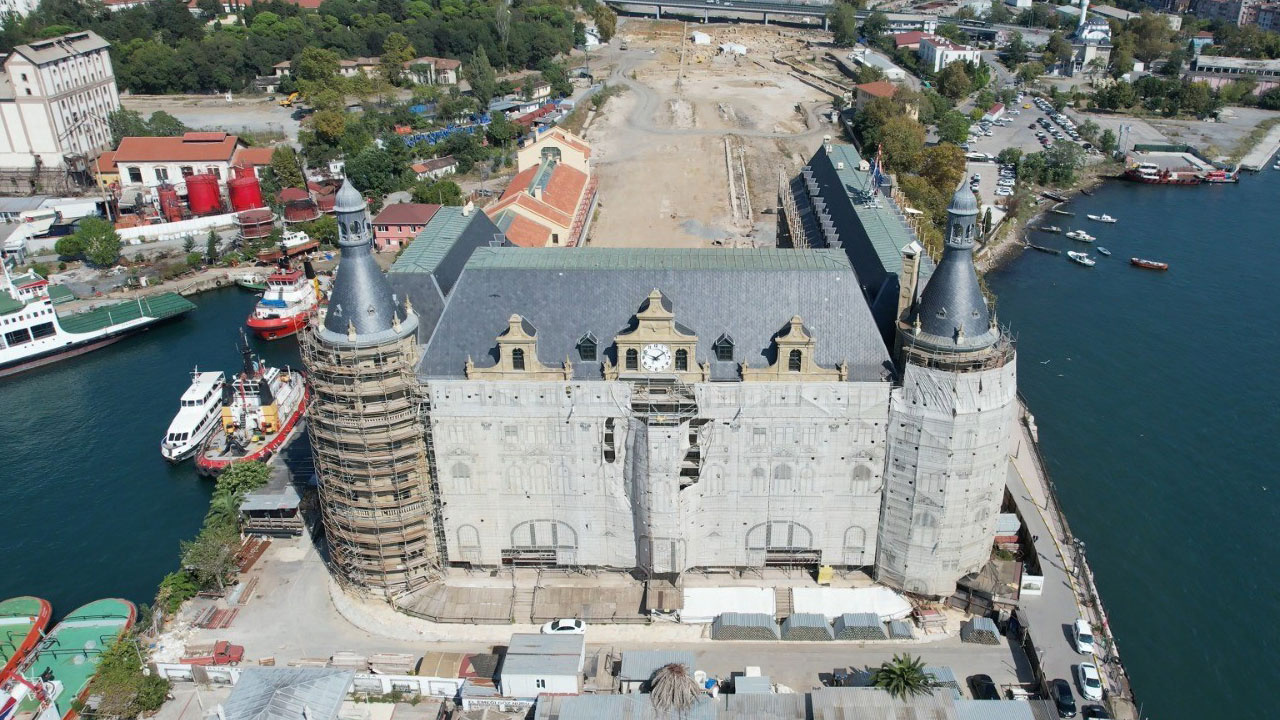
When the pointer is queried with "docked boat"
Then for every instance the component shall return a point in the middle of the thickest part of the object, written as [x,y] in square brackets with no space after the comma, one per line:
[1049,229]
[260,409]
[1153,174]
[1081,235]
[1104,251]
[23,621]
[286,304]
[1149,264]
[1066,213]
[199,412]
[35,334]
[1102,218]
[1222,176]
[53,682]
[1087,191]
[292,243]
[252,282]
[1055,196]
[1081,258]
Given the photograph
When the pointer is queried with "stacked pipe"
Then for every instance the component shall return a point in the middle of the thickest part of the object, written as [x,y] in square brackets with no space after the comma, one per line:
[744,626]
[980,630]
[859,626]
[806,627]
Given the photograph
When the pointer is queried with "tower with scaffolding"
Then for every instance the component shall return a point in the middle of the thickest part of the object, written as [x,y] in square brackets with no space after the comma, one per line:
[366,422]
[949,422]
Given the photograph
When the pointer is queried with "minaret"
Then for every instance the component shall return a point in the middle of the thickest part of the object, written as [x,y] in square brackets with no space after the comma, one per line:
[949,425]
[1084,17]
[367,434]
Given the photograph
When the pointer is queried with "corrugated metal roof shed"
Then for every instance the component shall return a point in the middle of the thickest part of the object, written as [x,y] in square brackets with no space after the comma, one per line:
[993,710]
[539,665]
[552,644]
[277,693]
[758,706]
[1007,524]
[628,707]
[640,665]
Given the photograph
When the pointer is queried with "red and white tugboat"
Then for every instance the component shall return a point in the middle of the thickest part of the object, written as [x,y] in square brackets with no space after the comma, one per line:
[286,304]
[260,409]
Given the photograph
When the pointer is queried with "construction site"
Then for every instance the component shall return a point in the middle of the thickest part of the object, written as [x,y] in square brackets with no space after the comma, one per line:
[690,154]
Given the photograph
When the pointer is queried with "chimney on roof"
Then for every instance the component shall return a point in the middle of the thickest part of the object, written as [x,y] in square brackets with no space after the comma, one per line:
[468,208]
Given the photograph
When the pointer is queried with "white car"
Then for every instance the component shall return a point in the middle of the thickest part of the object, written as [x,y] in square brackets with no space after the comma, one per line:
[1090,682]
[1082,631]
[565,626]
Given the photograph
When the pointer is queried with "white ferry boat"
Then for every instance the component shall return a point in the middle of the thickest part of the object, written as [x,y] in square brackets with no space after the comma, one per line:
[32,334]
[199,412]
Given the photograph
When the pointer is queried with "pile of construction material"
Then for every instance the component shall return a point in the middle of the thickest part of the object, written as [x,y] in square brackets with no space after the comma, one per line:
[859,626]
[901,630]
[980,630]
[806,626]
[744,626]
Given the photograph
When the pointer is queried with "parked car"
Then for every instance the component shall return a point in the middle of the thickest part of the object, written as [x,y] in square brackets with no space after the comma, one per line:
[1094,712]
[1083,634]
[564,626]
[982,687]
[1060,691]
[1090,681]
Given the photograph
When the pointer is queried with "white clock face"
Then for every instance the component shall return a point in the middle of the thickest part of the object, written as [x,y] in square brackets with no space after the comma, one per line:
[655,357]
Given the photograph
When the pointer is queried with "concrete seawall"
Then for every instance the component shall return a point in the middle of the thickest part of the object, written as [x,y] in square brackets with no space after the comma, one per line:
[1262,152]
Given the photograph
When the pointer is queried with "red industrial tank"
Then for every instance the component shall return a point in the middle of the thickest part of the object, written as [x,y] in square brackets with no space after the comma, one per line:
[170,206]
[244,190]
[202,194]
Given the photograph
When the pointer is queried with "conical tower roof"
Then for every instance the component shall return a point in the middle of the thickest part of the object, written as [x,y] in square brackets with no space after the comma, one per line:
[953,314]
[363,308]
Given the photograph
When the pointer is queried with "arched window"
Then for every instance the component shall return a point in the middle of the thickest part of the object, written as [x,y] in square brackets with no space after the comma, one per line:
[517,359]
[779,535]
[793,361]
[633,359]
[682,360]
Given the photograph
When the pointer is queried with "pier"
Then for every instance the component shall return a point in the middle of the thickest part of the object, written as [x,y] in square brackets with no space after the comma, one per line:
[1263,151]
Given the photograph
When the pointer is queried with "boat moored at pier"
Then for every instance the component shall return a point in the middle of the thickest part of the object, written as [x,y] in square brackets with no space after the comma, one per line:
[199,412]
[287,303]
[22,623]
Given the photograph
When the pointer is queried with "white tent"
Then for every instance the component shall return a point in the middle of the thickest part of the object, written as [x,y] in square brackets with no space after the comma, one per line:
[834,602]
[733,49]
[704,605]
[700,38]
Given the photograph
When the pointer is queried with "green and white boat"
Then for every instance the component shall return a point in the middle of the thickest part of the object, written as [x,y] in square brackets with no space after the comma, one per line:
[57,673]
[23,621]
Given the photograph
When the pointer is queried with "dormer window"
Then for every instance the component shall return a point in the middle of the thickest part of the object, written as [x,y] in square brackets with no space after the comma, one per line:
[587,347]
[723,348]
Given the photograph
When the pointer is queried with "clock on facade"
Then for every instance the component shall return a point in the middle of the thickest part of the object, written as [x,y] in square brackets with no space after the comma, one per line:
[655,357]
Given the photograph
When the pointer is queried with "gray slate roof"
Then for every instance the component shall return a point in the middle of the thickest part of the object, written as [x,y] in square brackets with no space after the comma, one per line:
[277,693]
[361,298]
[749,295]
[952,302]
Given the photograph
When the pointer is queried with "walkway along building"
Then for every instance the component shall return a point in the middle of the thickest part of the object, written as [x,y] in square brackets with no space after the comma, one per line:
[657,411]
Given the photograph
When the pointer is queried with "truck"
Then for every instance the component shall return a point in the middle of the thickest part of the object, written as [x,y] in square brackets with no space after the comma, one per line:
[224,653]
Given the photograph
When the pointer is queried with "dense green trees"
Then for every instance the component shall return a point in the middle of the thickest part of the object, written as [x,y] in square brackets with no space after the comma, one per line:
[161,47]
[953,127]
[843,21]
[954,82]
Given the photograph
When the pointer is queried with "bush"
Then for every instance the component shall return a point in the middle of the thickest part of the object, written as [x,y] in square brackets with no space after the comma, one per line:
[176,588]
[194,260]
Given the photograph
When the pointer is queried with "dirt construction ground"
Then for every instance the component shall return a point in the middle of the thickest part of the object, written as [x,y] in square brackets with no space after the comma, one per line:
[257,115]
[688,155]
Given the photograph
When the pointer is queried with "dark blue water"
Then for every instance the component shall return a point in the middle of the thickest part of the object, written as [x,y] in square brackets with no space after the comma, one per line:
[1158,403]
[90,508]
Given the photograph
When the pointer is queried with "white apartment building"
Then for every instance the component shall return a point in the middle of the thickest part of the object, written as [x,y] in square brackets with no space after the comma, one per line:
[55,96]
[939,52]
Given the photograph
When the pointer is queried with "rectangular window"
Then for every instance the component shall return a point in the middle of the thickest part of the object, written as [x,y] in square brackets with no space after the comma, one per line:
[162,174]
[17,337]
[43,330]
[541,683]
[135,175]
[186,171]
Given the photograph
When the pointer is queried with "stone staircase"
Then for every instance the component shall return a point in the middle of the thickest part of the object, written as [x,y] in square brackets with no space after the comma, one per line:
[782,601]
[522,605]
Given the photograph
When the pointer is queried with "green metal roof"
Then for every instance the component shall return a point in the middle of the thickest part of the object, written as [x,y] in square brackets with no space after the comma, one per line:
[431,245]
[74,647]
[885,226]
[59,294]
[158,307]
[8,304]
[595,258]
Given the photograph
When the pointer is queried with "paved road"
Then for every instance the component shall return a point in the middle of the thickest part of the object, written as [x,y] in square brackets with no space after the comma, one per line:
[648,103]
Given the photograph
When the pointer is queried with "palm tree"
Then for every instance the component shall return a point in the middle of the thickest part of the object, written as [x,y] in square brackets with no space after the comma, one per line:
[673,691]
[903,676]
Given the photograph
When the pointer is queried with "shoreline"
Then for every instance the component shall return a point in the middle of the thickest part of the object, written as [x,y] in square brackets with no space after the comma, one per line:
[995,256]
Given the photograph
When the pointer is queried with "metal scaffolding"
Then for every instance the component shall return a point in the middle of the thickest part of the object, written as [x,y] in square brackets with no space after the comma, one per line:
[366,422]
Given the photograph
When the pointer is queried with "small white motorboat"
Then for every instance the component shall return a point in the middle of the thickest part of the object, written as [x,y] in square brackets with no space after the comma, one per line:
[1081,235]
[1104,251]
[1081,258]
[1102,218]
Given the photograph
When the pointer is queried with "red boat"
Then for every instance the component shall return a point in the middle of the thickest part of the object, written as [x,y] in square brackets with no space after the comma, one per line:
[23,620]
[260,409]
[1149,264]
[286,304]
[1153,175]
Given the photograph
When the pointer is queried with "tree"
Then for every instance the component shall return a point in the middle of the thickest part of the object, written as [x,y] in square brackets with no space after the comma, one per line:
[211,247]
[211,556]
[285,167]
[122,689]
[986,222]
[876,25]
[125,123]
[1121,62]
[673,691]
[1028,72]
[606,20]
[902,677]
[903,140]
[1107,142]
[1270,100]
[162,124]
[188,244]
[69,246]
[1000,14]
[1009,156]
[1058,51]
[329,126]
[209,9]
[323,229]
[843,21]
[1172,66]
[396,54]
[501,130]
[99,241]
[953,127]
[953,81]
[440,192]
[943,166]
[242,477]
[316,69]
[481,76]
[1015,52]
[374,171]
